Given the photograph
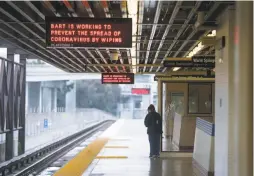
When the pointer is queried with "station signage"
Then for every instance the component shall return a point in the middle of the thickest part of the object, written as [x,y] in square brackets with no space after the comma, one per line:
[183,76]
[197,61]
[117,78]
[140,91]
[76,32]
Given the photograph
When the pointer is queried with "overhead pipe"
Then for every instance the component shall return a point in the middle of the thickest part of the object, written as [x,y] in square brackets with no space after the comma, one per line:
[199,24]
[201,19]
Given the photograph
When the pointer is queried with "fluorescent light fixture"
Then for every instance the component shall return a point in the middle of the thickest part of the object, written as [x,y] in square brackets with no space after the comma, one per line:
[176,68]
[200,46]
[212,34]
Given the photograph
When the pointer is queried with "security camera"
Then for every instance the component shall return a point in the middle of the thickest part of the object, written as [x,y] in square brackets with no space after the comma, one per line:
[114,57]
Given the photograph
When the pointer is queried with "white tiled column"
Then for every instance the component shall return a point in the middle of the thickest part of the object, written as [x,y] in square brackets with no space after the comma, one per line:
[243,90]
[234,93]
[223,95]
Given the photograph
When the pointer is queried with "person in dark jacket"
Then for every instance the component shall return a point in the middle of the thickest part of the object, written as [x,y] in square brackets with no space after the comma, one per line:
[153,122]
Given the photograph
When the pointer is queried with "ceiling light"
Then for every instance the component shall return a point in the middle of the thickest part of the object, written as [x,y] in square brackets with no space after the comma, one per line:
[176,68]
[213,33]
[200,46]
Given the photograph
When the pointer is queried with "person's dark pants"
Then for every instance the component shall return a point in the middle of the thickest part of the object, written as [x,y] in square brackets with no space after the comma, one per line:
[154,140]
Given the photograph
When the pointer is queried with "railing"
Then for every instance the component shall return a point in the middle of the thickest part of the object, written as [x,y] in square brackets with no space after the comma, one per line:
[37,123]
[44,128]
[34,161]
[12,103]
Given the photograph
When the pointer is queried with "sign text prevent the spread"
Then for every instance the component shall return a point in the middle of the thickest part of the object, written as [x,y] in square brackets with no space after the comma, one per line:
[117,78]
[88,32]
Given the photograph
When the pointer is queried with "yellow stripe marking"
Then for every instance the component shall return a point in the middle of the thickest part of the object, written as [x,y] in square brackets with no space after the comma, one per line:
[111,157]
[116,147]
[81,162]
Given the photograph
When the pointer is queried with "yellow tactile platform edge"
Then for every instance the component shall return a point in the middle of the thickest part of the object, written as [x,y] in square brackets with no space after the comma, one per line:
[81,162]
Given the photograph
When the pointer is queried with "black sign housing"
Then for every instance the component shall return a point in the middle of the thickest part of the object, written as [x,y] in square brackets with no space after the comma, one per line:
[183,76]
[197,61]
[69,32]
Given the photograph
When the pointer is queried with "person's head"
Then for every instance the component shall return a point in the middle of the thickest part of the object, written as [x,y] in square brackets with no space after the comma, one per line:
[151,108]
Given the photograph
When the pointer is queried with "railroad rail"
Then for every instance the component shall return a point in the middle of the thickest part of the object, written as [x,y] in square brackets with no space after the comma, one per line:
[36,161]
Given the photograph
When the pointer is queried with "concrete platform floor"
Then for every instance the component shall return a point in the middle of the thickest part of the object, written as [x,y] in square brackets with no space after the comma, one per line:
[131,145]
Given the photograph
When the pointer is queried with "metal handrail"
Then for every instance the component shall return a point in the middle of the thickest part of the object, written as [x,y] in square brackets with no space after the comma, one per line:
[8,60]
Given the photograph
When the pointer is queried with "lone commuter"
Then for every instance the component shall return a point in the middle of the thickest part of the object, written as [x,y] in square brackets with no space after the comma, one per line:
[153,122]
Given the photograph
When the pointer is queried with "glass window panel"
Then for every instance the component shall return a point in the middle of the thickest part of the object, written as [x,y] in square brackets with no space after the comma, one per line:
[200,99]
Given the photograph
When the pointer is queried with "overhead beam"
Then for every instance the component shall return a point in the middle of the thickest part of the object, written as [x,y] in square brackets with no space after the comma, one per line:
[126,65]
[139,29]
[56,14]
[172,18]
[108,15]
[190,16]
[28,15]
[211,11]
[36,54]
[156,19]
[163,24]
[24,34]
[180,73]
[170,79]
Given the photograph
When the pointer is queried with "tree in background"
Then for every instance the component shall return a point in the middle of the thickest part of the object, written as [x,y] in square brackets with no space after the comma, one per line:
[93,94]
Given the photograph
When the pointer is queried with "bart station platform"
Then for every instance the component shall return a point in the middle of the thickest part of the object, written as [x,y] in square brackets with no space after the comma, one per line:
[123,149]
[193,60]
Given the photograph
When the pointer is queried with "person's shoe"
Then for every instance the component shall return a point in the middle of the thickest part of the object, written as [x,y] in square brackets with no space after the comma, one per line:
[157,156]
[152,157]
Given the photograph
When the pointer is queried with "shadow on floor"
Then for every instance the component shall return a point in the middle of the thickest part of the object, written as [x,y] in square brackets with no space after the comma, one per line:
[171,167]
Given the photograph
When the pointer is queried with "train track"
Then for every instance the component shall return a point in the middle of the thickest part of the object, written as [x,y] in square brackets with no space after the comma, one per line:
[35,162]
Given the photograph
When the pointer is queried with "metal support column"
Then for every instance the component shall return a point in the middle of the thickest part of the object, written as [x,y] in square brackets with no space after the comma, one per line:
[159,96]
[9,100]
[22,105]
[243,89]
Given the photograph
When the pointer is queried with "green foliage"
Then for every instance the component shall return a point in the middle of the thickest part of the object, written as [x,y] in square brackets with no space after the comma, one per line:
[93,94]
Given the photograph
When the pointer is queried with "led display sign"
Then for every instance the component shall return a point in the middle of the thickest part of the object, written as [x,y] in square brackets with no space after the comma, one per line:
[117,78]
[197,61]
[67,32]
[140,91]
